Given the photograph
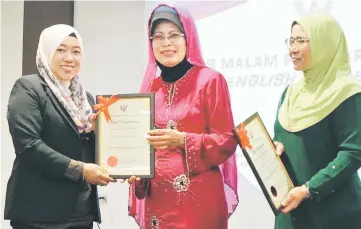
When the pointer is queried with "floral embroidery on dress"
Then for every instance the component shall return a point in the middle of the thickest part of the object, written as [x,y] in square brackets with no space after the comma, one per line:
[154,222]
[181,183]
[172,125]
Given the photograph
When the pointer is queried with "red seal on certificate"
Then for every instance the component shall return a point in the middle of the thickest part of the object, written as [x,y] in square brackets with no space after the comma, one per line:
[112,161]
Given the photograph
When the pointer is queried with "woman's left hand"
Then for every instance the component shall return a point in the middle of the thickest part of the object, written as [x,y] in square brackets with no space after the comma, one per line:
[294,198]
[279,148]
[165,138]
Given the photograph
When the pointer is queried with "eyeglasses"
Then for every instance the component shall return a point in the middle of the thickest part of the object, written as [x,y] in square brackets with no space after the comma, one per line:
[172,37]
[299,41]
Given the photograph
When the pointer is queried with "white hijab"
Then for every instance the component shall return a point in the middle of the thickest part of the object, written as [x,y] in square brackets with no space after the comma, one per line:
[72,97]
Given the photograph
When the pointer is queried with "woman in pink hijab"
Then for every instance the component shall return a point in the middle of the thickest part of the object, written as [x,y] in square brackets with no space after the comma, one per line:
[195,183]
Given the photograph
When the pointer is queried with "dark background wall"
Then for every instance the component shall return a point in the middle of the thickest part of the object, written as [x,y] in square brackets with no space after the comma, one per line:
[37,16]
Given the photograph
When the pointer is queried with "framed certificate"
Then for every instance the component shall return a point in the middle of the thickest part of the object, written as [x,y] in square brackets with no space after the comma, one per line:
[260,153]
[122,123]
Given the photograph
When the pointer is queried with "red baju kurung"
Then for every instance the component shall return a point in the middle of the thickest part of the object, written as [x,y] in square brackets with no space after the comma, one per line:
[195,187]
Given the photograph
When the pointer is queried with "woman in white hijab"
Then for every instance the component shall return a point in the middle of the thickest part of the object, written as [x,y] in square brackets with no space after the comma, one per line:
[54,178]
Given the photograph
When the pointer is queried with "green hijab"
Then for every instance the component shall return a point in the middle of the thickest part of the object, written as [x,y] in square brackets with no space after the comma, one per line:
[327,82]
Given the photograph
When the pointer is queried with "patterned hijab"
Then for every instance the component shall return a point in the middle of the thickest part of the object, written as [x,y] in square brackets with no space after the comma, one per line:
[72,97]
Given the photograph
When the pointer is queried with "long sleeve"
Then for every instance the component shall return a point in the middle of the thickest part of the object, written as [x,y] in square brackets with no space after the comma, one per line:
[25,125]
[283,157]
[346,125]
[142,188]
[278,108]
[210,149]
[74,170]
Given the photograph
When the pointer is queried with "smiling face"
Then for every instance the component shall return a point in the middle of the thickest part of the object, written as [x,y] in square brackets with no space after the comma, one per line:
[169,44]
[299,48]
[66,61]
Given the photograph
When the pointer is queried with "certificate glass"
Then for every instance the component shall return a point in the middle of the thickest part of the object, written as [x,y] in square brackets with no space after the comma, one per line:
[260,153]
[122,123]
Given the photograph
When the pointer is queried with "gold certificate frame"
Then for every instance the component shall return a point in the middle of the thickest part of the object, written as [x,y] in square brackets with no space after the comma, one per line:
[260,153]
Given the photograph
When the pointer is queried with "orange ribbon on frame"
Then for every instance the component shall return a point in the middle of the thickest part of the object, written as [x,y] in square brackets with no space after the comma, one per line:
[104,103]
[244,137]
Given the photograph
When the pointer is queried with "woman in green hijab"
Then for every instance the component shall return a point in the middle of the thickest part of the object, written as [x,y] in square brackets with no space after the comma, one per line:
[318,129]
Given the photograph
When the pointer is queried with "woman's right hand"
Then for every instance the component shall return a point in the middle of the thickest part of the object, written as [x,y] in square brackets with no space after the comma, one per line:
[279,148]
[94,174]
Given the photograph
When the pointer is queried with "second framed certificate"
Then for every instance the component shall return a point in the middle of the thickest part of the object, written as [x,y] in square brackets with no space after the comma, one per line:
[122,123]
[260,153]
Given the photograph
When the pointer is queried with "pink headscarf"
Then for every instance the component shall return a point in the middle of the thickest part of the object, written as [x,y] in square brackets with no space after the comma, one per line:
[194,56]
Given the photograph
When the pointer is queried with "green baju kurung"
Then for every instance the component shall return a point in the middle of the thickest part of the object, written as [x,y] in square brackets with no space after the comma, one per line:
[327,155]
